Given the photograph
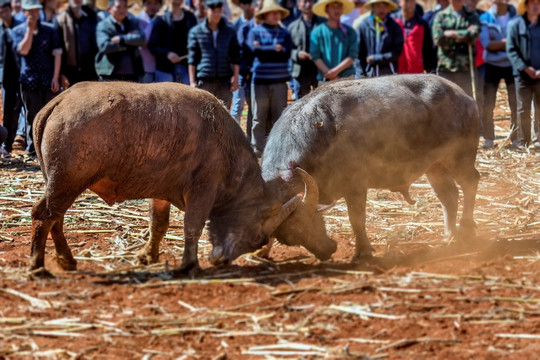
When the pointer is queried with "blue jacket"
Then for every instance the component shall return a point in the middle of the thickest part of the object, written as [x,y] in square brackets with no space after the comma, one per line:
[109,53]
[269,65]
[213,62]
[246,55]
[491,31]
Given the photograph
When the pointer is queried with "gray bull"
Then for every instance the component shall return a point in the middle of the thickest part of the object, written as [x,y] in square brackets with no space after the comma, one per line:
[384,133]
[167,142]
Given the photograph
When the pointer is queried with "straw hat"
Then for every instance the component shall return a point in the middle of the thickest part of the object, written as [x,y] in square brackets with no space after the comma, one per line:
[392,5]
[522,7]
[104,4]
[271,5]
[319,8]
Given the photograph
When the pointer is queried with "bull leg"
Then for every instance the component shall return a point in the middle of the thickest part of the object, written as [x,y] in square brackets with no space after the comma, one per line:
[199,202]
[47,211]
[445,188]
[64,258]
[468,180]
[356,206]
[159,223]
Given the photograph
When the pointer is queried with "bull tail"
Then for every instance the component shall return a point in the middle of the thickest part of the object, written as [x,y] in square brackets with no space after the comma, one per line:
[39,127]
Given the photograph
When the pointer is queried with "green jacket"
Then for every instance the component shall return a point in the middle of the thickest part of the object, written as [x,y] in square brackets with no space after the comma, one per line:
[453,54]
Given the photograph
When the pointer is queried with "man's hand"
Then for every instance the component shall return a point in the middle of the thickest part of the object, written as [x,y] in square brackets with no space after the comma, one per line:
[55,86]
[538,74]
[193,84]
[451,34]
[532,72]
[116,39]
[234,84]
[370,60]
[32,22]
[331,74]
[173,57]
[279,47]
[303,55]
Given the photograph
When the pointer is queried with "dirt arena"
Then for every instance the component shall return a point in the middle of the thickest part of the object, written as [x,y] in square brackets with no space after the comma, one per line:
[421,299]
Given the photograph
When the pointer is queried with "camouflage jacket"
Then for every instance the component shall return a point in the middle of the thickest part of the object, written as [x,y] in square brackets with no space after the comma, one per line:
[453,53]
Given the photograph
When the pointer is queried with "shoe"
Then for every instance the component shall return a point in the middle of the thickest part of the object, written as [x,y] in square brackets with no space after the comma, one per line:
[518,145]
[488,144]
[19,142]
[536,145]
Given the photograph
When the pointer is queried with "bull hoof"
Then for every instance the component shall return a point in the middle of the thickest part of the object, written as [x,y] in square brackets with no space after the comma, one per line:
[67,264]
[363,257]
[41,273]
[146,259]
[192,270]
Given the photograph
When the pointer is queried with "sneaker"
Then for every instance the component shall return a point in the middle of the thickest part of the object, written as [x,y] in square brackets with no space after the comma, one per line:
[488,144]
[4,154]
[536,145]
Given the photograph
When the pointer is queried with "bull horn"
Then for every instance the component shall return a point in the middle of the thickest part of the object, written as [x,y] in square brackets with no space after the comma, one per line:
[286,209]
[311,192]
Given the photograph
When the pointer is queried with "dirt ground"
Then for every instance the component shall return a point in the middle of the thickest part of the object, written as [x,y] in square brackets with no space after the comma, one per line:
[421,298]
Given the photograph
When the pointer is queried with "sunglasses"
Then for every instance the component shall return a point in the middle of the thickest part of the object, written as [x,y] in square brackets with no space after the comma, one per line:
[215,6]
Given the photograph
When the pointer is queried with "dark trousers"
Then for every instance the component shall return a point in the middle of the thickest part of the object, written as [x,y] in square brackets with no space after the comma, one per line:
[33,102]
[220,88]
[303,85]
[461,78]
[11,106]
[494,75]
[527,92]
[120,77]
[268,101]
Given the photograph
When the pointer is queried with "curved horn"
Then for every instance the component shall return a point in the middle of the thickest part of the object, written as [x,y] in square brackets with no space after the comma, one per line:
[311,193]
[273,223]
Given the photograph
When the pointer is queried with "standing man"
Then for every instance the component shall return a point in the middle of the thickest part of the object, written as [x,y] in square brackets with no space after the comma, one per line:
[118,38]
[41,57]
[333,45]
[168,42]
[146,23]
[417,55]
[239,96]
[498,67]
[9,75]
[77,33]
[271,47]
[523,48]
[455,30]
[381,40]
[213,54]
[304,70]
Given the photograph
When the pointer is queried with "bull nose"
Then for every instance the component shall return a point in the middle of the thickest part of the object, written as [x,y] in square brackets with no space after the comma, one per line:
[325,250]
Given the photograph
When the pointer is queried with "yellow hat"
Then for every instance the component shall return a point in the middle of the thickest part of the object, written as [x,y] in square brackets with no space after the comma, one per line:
[392,5]
[522,7]
[319,8]
[271,5]
[104,4]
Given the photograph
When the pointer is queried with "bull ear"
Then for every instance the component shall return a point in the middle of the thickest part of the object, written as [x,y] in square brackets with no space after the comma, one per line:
[271,210]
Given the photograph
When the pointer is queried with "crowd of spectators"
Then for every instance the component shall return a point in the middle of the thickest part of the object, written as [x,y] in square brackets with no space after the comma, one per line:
[270,48]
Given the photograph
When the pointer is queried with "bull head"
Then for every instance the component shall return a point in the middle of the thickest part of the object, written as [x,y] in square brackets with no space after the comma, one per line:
[305,226]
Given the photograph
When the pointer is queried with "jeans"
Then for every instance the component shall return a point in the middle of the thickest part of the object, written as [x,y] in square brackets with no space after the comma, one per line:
[11,105]
[238,100]
[221,88]
[268,101]
[148,78]
[494,75]
[33,102]
[527,91]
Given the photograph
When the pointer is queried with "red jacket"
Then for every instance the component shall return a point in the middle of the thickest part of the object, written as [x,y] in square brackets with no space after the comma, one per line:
[418,53]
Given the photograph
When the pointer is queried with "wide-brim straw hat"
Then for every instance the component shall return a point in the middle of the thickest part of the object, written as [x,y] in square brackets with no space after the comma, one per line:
[392,5]
[522,7]
[319,8]
[271,5]
[104,4]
